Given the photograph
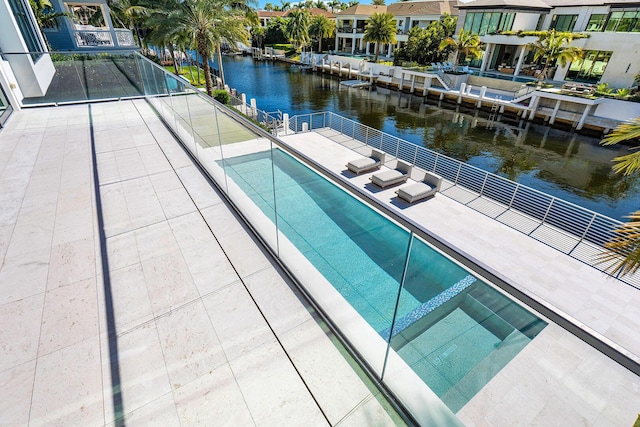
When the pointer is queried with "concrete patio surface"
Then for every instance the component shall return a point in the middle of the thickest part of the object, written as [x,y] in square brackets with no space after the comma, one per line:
[135,295]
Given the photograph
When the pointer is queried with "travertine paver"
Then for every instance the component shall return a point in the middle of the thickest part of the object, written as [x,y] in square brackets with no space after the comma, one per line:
[171,324]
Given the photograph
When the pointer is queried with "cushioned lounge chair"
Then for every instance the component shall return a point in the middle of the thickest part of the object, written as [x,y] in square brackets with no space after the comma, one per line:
[366,164]
[429,186]
[392,177]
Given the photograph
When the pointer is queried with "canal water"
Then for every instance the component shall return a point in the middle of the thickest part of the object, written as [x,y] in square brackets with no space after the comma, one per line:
[567,165]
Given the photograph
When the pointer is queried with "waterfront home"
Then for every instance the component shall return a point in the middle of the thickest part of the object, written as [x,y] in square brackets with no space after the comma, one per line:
[352,21]
[612,50]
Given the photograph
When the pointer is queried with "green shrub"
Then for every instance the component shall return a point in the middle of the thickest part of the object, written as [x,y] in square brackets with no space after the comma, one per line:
[623,92]
[222,96]
[603,88]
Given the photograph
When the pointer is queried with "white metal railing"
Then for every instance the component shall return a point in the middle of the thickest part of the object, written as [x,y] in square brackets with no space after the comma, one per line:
[125,38]
[93,38]
[569,228]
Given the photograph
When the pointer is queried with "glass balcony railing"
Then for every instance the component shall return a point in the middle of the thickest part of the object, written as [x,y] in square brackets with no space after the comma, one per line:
[427,326]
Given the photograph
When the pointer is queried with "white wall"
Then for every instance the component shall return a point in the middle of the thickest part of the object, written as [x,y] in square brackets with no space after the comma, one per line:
[625,60]
[33,78]
[525,21]
[618,110]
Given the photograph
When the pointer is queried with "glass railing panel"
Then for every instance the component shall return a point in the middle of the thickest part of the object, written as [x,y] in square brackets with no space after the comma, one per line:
[452,331]
[348,257]
[87,77]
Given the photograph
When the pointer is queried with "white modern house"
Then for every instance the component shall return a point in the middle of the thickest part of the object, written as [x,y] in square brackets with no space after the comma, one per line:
[612,49]
[24,70]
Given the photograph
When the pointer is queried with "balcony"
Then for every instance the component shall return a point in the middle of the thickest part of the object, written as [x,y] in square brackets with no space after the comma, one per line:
[99,37]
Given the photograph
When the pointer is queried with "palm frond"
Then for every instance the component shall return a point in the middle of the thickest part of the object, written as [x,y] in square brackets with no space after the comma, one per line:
[623,250]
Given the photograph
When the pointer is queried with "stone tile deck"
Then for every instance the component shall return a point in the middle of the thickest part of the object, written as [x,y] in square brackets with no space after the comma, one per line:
[189,322]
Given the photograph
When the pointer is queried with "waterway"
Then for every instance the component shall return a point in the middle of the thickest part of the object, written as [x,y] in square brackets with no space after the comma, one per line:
[571,166]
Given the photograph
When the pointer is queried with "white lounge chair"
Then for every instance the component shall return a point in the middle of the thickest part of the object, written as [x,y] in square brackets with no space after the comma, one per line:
[366,164]
[428,187]
[392,177]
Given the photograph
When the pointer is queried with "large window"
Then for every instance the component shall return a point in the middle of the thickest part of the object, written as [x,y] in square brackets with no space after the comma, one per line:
[590,68]
[597,22]
[27,27]
[482,23]
[563,22]
[625,21]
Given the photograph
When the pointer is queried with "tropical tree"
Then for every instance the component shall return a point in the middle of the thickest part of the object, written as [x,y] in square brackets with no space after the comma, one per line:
[466,43]
[624,249]
[334,5]
[268,6]
[258,35]
[321,27]
[320,4]
[211,22]
[46,16]
[161,25]
[554,46]
[423,44]
[352,3]
[380,28]
[285,5]
[378,2]
[298,27]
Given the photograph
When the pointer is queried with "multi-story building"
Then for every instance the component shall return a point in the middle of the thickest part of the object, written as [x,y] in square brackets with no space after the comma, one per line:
[612,48]
[21,74]
[89,26]
[352,21]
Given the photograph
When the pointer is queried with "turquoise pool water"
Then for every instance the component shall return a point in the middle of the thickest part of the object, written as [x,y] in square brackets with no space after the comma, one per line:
[454,330]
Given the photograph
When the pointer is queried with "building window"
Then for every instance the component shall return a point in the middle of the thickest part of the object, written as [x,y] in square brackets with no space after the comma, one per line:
[482,23]
[27,27]
[540,22]
[563,22]
[627,21]
[87,15]
[596,22]
[590,68]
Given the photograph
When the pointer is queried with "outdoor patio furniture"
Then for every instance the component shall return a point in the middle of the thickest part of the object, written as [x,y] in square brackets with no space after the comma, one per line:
[428,187]
[577,88]
[366,164]
[396,176]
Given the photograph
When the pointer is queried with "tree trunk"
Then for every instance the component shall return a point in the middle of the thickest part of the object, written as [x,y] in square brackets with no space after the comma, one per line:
[205,63]
[221,70]
[320,44]
[173,58]
[375,60]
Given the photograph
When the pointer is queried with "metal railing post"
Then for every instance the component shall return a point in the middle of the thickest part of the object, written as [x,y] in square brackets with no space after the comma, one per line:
[513,197]
[458,173]
[486,176]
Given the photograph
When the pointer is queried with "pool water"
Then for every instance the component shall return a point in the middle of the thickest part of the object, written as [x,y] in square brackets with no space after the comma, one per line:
[455,331]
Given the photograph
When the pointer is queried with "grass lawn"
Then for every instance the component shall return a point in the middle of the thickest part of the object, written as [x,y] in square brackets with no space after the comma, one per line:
[190,72]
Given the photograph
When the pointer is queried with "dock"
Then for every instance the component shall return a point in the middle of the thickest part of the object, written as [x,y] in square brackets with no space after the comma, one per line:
[355,83]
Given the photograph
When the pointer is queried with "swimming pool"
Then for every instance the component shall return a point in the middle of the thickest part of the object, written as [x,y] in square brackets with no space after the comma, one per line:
[454,330]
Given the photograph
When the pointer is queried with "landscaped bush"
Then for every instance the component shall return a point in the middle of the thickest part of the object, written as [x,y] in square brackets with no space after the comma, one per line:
[222,96]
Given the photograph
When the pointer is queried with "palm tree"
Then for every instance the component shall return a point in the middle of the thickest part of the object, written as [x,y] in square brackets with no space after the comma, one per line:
[46,16]
[320,4]
[378,2]
[624,247]
[554,46]
[285,5]
[268,6]
[321,27]
[211,22]
[334,5]
[381,28]
[298,27]
[466,43]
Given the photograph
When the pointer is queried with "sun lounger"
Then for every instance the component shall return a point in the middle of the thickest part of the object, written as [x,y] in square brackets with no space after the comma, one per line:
[392,177]
[429,186]
[366,164]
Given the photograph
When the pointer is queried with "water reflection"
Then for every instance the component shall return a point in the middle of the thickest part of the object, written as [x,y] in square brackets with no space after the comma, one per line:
[567,165]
